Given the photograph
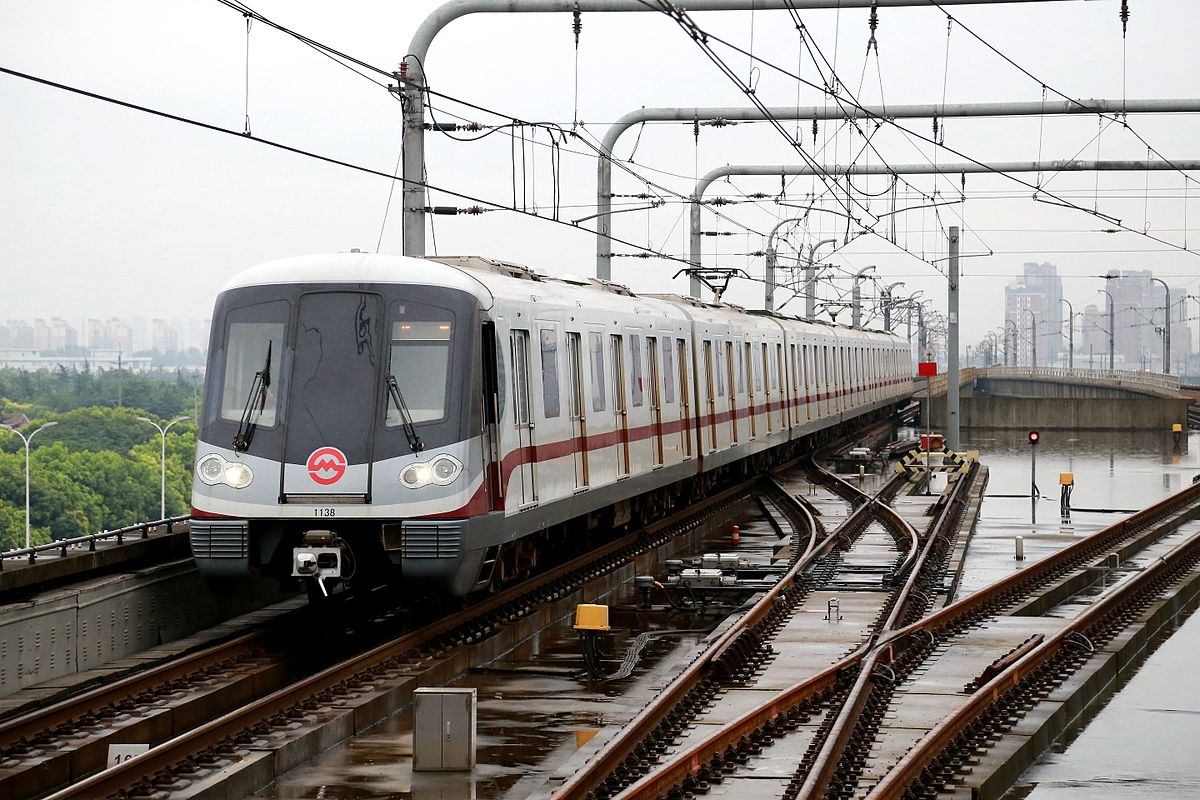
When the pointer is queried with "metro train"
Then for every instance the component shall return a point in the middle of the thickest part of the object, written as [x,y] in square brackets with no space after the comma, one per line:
[445,423]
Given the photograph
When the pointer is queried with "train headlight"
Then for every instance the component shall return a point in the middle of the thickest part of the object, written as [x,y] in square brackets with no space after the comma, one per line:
[445,470]
[211,469]
[416,476]
[441,471]
[214,470]
[238,476]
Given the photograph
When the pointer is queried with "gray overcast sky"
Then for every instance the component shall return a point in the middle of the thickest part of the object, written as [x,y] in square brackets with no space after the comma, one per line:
[107,211]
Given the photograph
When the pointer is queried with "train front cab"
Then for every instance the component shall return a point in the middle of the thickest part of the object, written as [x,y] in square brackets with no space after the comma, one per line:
[363,422]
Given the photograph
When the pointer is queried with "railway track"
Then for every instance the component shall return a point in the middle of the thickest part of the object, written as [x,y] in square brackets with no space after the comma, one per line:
[811,711]
[200,711]
[845,760]
[660,732]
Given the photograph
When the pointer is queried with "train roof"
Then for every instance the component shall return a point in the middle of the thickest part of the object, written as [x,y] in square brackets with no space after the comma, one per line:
[487,278]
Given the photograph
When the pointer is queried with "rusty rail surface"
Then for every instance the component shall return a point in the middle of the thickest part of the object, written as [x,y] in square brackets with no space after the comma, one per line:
[781,711]
[26,727]
[1089,624]
[1057,564]
[609,759]
[476,621]
[909,601]
[701,756]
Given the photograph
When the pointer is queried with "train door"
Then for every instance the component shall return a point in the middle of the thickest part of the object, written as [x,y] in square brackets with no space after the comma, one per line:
[807,367]
[655,399]
[751,395]
[797,398]
[734,385]
[685,399]
[766,373]
[710,388]
[620,410]
[526,475]
[579,436]
[337,379]
[785,402]
[491,414]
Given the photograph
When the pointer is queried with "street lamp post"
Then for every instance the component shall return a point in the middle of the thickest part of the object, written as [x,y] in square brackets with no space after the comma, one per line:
[1166,325]
[26,440]
[1070,332]
[1112,305]
[1032,337]
[162,432]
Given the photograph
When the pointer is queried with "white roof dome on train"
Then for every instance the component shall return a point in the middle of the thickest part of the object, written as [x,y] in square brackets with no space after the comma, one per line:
[356,268]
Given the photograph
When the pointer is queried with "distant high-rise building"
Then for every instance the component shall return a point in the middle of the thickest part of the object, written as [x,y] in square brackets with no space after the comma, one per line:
[1033,306]
[164,338]
[109,334]
[54,335]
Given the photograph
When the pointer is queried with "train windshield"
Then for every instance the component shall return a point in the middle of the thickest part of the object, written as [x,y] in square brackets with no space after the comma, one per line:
[248,338]
[420,361]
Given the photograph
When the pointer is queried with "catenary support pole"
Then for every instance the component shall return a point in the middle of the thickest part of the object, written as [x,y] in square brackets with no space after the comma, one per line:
[1111,328]
[1070,332]
[702,185]
[413,80]
[1166,325]
[838,111]
[952,386]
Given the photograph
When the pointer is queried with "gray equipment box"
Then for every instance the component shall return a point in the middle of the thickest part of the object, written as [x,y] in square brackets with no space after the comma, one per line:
[443,729]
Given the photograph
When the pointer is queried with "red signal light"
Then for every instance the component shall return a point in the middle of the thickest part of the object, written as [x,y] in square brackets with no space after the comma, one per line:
[1034,438]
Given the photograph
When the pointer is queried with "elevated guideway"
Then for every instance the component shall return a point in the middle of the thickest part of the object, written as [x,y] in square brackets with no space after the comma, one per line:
[1065,399]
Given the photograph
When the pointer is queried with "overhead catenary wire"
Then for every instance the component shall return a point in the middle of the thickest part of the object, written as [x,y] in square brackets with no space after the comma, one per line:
[490,204]
[1055,199]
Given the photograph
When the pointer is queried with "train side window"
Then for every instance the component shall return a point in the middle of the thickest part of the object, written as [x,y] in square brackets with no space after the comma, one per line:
[549,343]
[741,370]
[596,341]
[668,370]
[519,342]
[635,369]
[720,369]
[755,373]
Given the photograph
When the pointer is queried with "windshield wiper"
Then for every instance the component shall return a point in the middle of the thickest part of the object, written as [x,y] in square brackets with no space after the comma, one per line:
[250,415]
[410,430]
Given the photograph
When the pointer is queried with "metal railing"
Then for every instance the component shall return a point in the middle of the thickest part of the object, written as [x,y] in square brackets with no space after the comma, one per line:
[1157,382]
[141,529]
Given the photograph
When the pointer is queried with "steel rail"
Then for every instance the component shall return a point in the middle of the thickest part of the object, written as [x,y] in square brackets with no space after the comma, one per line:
[1059,563]
[833,751]
[1149,581]
[477,620]
[608,760]
[770,718]
[696,758]
[25,727]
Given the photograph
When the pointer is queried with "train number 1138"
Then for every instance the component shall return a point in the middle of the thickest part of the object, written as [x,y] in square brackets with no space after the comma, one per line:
[324,512]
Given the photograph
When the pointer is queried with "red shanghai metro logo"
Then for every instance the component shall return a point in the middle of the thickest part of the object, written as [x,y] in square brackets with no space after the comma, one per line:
[326,465]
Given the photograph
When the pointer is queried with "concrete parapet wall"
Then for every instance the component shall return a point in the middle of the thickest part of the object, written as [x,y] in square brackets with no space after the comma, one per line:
[78,628]
[1104,413]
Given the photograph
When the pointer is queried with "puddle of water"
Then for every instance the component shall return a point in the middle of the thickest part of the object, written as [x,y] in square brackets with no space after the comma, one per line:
[1112,470]
[534,712]
[1142,744]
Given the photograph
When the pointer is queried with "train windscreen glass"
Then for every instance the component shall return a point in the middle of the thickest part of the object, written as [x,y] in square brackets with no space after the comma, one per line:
[420,362]
[246,345]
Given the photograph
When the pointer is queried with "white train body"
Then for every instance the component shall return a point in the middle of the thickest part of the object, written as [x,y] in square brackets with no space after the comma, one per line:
[541,409]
